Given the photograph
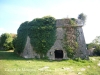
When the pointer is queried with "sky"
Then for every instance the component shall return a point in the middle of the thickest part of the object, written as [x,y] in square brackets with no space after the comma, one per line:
[15,12]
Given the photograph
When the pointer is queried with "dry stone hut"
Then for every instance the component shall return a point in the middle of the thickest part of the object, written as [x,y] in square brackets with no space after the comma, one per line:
[57,50]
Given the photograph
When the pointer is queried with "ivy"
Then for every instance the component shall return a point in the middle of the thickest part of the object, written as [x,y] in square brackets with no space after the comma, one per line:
[21,37]
[42,33]
[70,38]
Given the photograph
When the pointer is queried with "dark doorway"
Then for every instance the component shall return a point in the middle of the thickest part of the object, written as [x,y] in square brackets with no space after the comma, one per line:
[58,54]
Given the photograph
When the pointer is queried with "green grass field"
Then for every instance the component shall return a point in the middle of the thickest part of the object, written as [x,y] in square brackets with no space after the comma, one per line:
[11,64]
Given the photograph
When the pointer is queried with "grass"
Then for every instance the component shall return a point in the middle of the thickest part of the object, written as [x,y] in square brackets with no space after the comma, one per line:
[12,64]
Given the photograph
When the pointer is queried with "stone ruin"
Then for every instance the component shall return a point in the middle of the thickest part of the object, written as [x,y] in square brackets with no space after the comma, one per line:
[57,51]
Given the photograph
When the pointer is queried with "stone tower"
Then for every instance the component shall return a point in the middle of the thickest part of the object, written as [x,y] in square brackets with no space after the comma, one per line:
[57,51]
[57,48]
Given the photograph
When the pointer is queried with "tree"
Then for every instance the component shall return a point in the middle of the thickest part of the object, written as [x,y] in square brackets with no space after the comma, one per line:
[96,43]
[13,35]
[97,50]
[91,45]
[96,40]
[6,41]
[82,17]
[0,42]
[14,42]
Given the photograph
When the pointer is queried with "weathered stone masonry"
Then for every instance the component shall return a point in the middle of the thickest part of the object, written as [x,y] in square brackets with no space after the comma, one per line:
[28,51]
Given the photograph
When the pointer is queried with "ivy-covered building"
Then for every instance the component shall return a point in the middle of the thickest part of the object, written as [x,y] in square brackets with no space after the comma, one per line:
[55,39]
[70,41]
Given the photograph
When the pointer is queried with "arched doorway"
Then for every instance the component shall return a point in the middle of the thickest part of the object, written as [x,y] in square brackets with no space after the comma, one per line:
[58,54]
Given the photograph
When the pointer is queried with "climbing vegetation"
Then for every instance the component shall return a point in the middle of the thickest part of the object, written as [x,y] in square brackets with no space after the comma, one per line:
[70,38]
[42,33]
[21,37]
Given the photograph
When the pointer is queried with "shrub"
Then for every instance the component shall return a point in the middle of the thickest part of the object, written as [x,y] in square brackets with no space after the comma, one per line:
[97,50]
[6,41]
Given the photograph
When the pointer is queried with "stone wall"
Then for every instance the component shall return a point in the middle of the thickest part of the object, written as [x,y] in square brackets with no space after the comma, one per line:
[58,45]
[28,51]
[82,52]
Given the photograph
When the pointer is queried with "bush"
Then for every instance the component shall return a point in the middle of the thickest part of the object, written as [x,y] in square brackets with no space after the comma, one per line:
[14,42]
[6,41]
[97,50]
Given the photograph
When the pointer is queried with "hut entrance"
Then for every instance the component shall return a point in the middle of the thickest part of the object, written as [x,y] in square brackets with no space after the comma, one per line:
[58,54]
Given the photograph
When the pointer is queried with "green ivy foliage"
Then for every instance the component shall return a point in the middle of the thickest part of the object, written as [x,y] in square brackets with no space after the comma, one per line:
[21,37]
[70,40]
[42,33]
[72,22]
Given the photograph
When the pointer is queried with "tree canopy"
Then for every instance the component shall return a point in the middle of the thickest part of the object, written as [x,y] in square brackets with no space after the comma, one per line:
[82,17]
[6,41]
[96,45]
[96,40]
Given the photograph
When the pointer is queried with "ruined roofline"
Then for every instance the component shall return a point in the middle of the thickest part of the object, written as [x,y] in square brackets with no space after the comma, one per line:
[64,23]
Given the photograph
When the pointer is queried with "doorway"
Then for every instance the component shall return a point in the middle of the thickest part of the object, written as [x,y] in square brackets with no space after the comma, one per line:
[58,54]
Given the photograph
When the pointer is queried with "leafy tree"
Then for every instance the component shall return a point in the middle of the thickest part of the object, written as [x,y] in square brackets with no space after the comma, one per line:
[13,35]
[91,45]
[97,50]
[6,41]
[14,41]
[12,44]
[0,42]
[96,40]
[97,47]
[95,44]
[82,17]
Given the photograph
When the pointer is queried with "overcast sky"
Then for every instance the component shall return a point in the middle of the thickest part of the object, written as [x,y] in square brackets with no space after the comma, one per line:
[15,12]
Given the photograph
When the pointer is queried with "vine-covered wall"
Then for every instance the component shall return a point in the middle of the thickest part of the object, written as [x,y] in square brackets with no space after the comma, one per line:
[42,33]
[22,33]
[70,40]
